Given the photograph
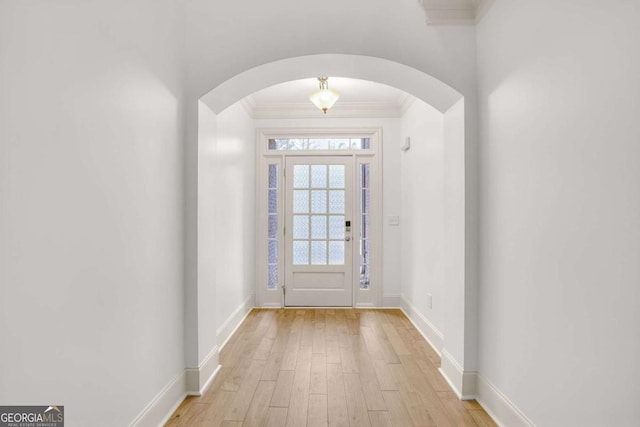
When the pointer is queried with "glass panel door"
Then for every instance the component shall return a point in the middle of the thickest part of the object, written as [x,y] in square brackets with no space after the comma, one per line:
[318,246]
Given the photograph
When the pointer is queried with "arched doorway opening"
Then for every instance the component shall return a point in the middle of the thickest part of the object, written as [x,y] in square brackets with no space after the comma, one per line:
[455,340]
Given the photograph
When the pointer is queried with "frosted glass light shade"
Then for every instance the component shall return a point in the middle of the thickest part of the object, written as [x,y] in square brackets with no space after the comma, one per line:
[324,99]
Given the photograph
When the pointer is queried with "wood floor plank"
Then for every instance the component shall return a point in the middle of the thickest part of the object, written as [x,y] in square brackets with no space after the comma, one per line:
[337,405]
[264,349]
[435,378]
[386,349]
[240,368]
[380,419]
[276,417]
[281,339]
[290,355]
[299,402]
[217,384]
[353,326]
[331,339]
[214,413]
[416,409]
[317,414]
[348,358]
[397,411]
[396,342]
[319,337]
[395,317]
[431,354]
[272,367]
[318,374]
[260,403]
[183,410]
[372,342]
[342,331]
[369,381]
[385,375]
[456,409]
[402,381]
[472,404]
[240,406]
[421,386]
[289,359]
[356,404]
[282,390]
[306,340]
[481,418]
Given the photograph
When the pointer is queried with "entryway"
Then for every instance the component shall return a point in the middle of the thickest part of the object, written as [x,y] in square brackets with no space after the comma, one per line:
[318,206]
[222,244]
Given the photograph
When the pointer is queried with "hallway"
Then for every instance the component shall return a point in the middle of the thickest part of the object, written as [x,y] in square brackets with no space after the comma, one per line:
[336,367]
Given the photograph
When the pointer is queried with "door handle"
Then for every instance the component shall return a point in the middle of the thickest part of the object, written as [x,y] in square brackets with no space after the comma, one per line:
[347,239]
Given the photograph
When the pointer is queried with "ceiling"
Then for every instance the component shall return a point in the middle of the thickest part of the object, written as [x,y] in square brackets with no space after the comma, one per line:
[358,98]
[454,12]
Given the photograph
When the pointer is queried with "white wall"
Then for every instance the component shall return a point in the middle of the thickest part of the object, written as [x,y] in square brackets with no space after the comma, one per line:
[205,317]
[234,191]
[422,221]
[560,209]
[391,269]
[380,28]
[91,312]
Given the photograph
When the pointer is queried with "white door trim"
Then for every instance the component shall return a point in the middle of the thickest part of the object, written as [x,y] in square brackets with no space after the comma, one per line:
[264,157]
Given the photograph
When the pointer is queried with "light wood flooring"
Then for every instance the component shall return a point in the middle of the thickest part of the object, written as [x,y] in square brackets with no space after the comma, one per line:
[324,367]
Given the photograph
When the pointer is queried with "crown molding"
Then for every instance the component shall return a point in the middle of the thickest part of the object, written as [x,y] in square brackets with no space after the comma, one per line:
[406,101]
[340,110]
[454,12]
[249,105]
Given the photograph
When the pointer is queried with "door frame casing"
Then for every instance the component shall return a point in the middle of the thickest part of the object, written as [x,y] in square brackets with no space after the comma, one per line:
[371,297]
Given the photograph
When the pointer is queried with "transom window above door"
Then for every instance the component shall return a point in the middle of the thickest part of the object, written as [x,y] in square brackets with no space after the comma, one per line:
[313,144]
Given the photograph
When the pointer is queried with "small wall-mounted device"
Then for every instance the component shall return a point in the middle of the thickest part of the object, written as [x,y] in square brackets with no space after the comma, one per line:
[407,144]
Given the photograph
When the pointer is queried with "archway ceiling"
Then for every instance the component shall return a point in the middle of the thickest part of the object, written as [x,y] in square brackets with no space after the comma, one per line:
[358,98]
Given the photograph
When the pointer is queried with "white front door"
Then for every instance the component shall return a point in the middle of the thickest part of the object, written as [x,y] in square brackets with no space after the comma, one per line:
[318,239]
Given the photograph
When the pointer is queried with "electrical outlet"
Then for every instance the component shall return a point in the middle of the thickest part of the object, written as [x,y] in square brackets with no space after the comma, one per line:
[429,301]
[393,220]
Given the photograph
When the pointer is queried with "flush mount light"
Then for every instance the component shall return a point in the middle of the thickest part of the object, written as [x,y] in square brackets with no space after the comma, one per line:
[325,97]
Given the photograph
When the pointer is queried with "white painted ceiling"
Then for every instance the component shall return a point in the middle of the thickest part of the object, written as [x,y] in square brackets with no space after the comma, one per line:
[358,98]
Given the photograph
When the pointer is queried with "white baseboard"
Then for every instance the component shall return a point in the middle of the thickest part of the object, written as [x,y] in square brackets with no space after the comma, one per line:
[161,407]
[273,305]
[498,406]
[392,301]
[226,330]
[462,382]
[430,333]
[198,379]
[365,305]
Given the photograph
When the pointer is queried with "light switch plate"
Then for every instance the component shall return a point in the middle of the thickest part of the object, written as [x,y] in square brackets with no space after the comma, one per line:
[393,220]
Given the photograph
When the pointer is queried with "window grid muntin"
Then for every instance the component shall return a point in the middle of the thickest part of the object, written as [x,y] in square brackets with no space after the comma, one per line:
[315,249]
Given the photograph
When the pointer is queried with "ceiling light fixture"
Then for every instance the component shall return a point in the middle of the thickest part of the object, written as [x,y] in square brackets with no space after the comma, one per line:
[325,97]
